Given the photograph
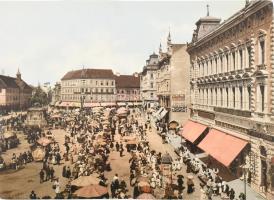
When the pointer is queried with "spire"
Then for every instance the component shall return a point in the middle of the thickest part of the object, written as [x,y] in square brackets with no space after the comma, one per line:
[207,7]
[18,74]
[160,48]
[169,37]
[246,2]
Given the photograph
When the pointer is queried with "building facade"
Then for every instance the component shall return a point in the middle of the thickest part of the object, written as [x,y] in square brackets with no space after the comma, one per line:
[88,85]
[173,81]
[128,89]
[232,84]
[148,81]
[14,93]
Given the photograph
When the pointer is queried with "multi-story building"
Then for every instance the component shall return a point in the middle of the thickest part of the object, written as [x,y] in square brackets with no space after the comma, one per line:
[88,86]
[173,82]
[128,89]
[148,81]
[14,93]
[232,90]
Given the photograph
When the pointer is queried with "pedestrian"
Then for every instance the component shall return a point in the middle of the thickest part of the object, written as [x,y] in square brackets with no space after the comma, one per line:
[58,158]
[51,174]
[117,146]
[68,172]
[41,176]
[121,150]
[190,186]
[56,187]
[32,195]
[64,171]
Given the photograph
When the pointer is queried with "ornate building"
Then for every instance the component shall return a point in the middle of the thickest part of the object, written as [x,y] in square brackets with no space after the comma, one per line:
[14,93]
[173,81]
[148,81]
[88,86]
[232,86]
[128,89]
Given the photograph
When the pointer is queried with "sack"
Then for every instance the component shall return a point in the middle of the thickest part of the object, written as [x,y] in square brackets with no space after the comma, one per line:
[54,187]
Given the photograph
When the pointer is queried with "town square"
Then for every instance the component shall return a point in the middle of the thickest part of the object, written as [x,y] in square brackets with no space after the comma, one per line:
[124,100]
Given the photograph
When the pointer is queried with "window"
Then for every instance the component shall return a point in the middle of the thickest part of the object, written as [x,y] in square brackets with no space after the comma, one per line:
[249,97]
[106,90]
[262,97]
[112,83]
[102,83]
[216,66]
[107,83]
[151,95]
[221,60]
[211,96]
[151,76]
[216,97]
[226,97]
[262,51]
[151,85]
[234,97]
[249,56]
[241,58]
[102,90]
[241,97]
[234,60]
[96,83]
[227,62]
[221,91]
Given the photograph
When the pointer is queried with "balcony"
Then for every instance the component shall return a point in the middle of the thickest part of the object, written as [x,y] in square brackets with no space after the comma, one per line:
[241,113]
[261,67]
[240,71]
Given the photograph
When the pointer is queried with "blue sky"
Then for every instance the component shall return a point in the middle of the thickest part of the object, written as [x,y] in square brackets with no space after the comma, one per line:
[47,39]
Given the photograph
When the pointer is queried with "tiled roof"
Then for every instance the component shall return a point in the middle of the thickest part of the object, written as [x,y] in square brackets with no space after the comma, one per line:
[11,82]
[88,73]
[8,82]
[127,81]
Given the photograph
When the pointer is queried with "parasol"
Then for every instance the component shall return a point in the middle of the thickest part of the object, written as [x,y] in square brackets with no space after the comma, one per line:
[38,154]
[132,142]
[91,191]
[43,141]
[190,177]
[85,181]
[125,138]
[9,134]
[143,184]
[146,196]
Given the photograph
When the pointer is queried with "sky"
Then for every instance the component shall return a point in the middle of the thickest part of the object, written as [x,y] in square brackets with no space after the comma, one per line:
[47,39]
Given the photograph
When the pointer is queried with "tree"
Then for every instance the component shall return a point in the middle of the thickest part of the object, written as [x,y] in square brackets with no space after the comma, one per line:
[40,98]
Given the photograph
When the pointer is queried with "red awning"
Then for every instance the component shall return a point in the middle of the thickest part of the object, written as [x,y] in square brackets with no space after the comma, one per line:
[272,161]
[192,130]
[221,146]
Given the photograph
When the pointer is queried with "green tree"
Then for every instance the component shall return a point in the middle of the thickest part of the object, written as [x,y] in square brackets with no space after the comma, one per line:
[39,98]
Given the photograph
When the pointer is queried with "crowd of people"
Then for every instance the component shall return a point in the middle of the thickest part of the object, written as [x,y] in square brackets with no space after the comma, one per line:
[92,136]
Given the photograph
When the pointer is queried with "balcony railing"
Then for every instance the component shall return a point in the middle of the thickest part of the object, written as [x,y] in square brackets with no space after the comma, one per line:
[241,113]
[261,67]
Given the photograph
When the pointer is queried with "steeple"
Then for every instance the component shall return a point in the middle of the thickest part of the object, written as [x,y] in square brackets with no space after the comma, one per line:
[18,74]
[207,7]
[169,38]
[169,45]
[160,48]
